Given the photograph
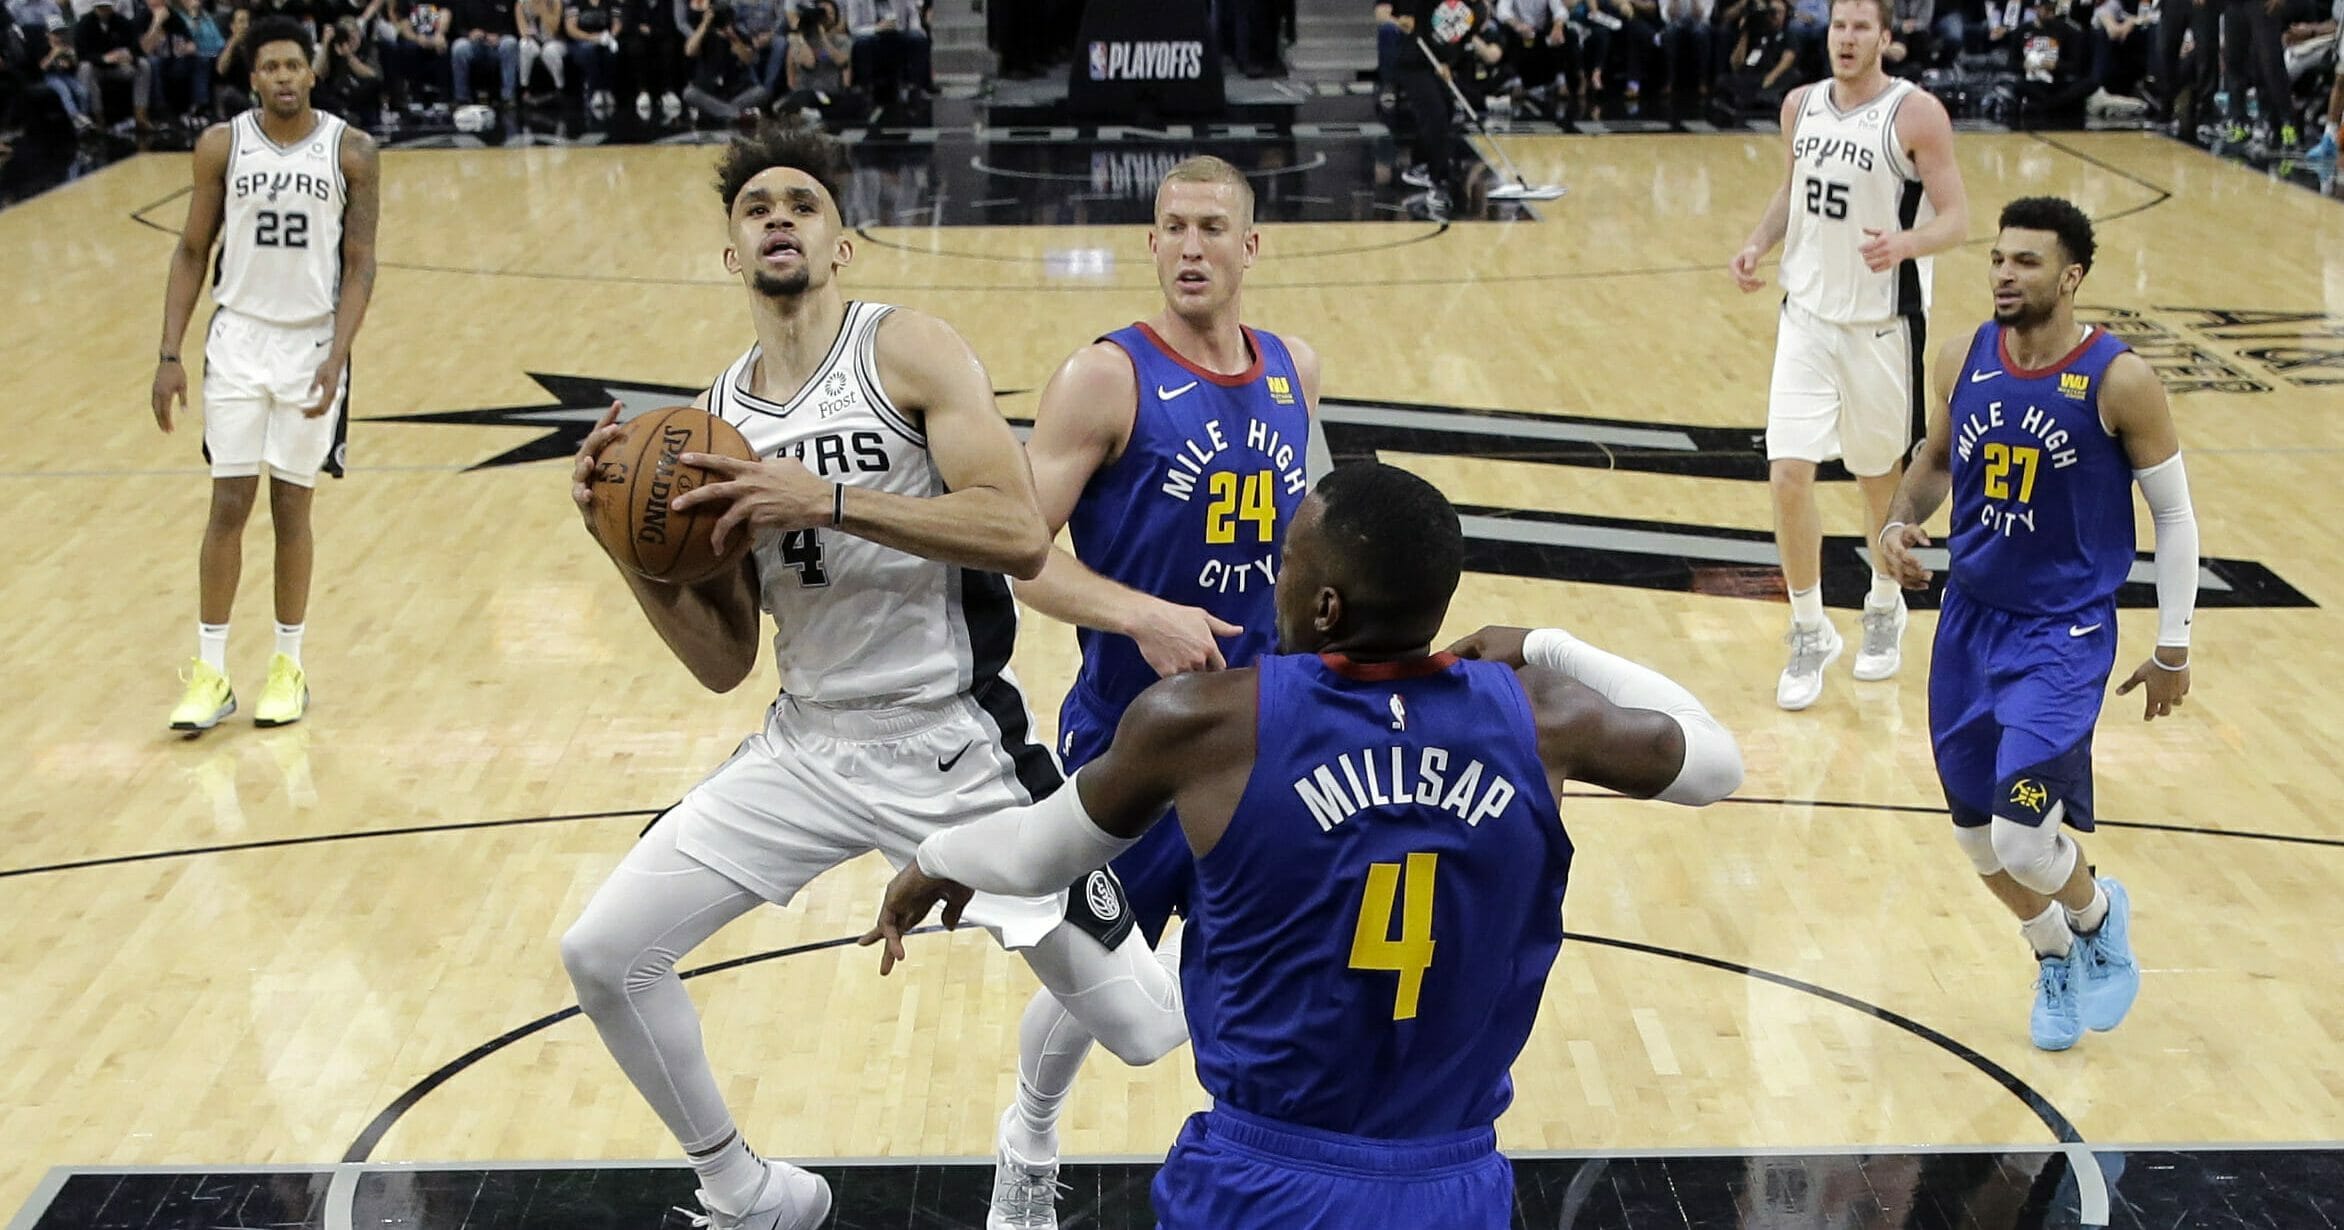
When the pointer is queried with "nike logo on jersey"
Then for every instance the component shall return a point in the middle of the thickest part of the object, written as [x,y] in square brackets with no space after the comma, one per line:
[2086,630]
[1983,377]
[1164,394]
[944,763]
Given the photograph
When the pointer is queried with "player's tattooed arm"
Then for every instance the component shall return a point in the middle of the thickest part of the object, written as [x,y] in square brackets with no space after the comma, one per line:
[188,257]
[361,173]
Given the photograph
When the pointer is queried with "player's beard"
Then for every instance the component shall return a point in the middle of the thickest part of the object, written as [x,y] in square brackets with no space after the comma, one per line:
[2026,315]
[782,285]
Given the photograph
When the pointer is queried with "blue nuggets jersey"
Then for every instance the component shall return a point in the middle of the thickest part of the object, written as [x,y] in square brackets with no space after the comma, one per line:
[1195,510]
[2042,494]
[1369,939]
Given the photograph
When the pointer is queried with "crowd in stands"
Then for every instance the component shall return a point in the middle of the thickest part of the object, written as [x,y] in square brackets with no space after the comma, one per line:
[2238,70]
[152,64]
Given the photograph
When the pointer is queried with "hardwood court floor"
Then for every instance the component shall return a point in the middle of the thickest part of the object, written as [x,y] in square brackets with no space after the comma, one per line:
[473,661]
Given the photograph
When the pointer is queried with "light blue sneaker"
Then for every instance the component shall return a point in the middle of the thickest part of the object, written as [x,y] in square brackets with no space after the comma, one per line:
[2111,978]
[2057,1022]
[2325,151]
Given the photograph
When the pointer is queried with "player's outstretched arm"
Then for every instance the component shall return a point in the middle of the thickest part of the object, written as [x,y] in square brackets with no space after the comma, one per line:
[1928,476]
[1776,221]
[1609,722]
[2133,405]
[1925,129]
[194,248]
[711,626]
[1083,425]
[362,176]
[1188,739]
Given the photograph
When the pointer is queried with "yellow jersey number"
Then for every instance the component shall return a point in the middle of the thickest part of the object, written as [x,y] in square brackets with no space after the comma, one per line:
[1372,945]
[1240,497]
[2001,459]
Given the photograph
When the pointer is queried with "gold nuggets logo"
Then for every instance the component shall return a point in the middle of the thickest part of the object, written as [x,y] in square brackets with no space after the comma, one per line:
[2075,385]
[1281,390]
[2028,793]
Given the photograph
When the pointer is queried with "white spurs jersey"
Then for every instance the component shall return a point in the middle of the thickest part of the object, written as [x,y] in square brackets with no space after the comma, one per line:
[858,624]
[1849,173]
[281,228]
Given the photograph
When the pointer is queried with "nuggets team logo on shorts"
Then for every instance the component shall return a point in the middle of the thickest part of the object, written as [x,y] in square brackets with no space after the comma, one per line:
[2075,386]
[2030,794]
[1099,890]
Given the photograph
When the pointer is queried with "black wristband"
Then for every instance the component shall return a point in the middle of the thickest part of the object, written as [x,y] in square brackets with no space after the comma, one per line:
[166,358]
[837,505]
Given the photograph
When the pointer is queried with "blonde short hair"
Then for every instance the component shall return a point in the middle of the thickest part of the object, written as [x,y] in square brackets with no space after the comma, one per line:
[1206,169]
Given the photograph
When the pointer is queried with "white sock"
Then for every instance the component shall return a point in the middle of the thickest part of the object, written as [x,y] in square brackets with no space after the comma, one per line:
[1051,1046]
[289,641]
[2048,932]
[211,644]
[1807,606]
[1886,593]
[2088,919]
[730,1173]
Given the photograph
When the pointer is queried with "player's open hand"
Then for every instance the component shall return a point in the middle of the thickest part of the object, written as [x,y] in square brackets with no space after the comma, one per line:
[781,494]
[2167,677]
[1495,643]
[1744,267]
[1177,639]
[1885,250]
[583,470]
[1896,551]
[910,895]
[170,386]
[324,387]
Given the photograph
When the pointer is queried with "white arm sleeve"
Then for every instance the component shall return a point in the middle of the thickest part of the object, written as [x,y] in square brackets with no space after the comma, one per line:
[1713,761]
[2166,488]
[1030,851]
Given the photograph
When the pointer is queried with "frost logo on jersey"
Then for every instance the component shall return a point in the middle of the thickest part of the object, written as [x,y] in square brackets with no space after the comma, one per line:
[836,396]
[1147,61]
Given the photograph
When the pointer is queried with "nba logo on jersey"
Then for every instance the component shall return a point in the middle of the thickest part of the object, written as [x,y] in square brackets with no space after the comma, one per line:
[2075,386]
[1281,391]
[1098,61]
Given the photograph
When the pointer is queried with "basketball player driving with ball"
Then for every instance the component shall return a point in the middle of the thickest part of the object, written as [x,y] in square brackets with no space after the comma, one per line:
[889,503]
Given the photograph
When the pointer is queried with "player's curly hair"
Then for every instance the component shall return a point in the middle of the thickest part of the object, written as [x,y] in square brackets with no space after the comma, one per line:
[797,146]
[2058,216]
[279,30]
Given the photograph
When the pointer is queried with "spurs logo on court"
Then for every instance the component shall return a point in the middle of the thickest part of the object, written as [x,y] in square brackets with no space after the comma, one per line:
[2028,793]
[1578,545]
[2229,350]
[1099,890]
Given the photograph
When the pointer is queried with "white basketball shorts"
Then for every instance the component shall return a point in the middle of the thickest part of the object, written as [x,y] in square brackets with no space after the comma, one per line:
[1845,391]
[820,785]
[257,378]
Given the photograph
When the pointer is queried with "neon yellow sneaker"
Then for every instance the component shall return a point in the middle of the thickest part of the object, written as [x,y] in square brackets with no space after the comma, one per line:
[208,698]
[286,696]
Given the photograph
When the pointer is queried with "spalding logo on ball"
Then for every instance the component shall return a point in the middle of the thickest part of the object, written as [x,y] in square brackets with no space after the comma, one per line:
[637,478]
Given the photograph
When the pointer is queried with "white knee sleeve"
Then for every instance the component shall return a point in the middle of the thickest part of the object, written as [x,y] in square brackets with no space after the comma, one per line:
[2039,856]
[1978,844]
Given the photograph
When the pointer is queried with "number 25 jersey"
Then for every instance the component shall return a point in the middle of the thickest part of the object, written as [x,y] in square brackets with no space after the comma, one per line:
[1369,940]
[2042,493]
[1850,174]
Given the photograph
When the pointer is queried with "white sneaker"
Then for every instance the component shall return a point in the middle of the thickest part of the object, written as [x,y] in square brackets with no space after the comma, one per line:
[1883,648]
[791,1198]
[670,106]
[1812,651]
[643,106]
[1025,1193]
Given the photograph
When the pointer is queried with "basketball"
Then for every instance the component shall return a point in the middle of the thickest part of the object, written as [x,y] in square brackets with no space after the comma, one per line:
[640,473]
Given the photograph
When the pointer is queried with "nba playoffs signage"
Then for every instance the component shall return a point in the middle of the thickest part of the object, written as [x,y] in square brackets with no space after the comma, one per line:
[1146,57]
[1664,555]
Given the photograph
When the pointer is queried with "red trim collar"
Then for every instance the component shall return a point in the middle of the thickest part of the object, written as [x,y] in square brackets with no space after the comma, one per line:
[1252,372]
[1385,672]
[2002,350]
